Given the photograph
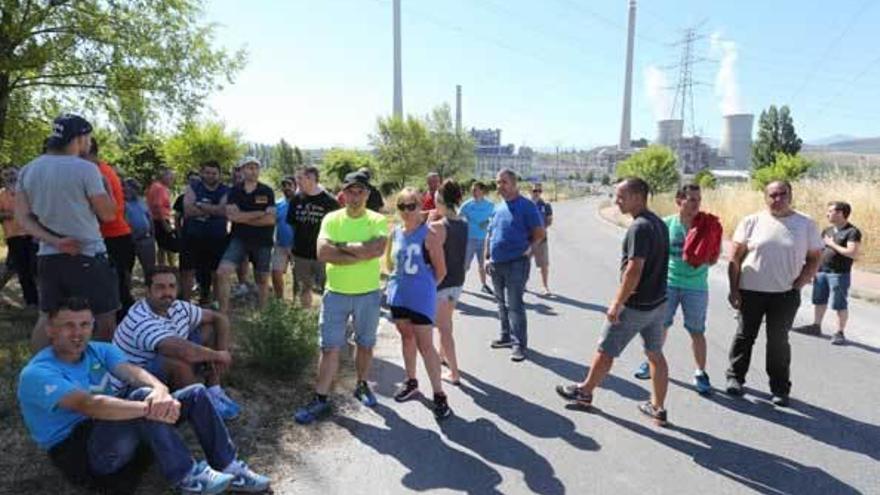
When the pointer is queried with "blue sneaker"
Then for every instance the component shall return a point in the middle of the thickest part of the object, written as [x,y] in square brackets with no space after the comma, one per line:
[643,372]
[312,411]
[203,479]
[701,381]
[246,480]
[363,393]
[223,409]
[231,406]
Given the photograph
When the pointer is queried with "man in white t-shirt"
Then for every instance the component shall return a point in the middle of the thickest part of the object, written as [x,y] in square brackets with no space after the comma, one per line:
[176,341]
[775,253]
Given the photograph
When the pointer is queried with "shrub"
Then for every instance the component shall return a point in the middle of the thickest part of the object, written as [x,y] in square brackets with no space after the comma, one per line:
[281,339]
[655,165]
[706,179]
[786,167]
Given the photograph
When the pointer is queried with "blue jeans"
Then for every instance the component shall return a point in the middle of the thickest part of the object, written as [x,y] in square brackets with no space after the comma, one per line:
[509,281]
[112,444]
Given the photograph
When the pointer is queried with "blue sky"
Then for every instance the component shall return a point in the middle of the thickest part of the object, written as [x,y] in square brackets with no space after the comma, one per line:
[546,72]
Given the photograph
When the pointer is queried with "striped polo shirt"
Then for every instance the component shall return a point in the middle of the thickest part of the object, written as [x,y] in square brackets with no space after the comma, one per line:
[141,331]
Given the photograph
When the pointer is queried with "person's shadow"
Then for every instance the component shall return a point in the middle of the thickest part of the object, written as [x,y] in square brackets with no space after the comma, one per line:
[476,311]
[558,298]
[756,469]
[574,372]
[819,424]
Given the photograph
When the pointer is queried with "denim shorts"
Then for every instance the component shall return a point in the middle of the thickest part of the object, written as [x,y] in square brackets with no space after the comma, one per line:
[450,294]
[649,323]
[237,252]
[693,306]
[474,248]
[834,286]
[335,311]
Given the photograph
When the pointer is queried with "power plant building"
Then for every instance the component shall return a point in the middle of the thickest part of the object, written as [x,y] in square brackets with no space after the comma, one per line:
[492,156]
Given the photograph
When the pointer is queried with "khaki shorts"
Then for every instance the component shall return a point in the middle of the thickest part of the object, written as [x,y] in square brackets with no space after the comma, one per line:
[307,273]
[281,258]
[542,254]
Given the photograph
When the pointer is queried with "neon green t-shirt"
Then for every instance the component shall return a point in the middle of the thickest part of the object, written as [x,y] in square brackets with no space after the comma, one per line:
[681,274]
[337,227]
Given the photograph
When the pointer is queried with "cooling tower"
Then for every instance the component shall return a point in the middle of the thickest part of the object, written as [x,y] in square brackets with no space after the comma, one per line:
[669,132]
[736,140]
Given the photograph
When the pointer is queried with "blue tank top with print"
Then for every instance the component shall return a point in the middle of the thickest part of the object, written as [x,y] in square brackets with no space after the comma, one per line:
[412,285]
[208,226]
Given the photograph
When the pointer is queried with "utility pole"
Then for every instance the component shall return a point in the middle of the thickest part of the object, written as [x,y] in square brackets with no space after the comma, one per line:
[556,177]
[398,78]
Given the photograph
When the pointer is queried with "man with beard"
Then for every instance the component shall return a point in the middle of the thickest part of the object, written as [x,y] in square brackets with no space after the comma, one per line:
[282,257]
[177,341]
[204,232]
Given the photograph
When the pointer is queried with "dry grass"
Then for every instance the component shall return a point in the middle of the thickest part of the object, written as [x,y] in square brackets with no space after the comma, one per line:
[811,196]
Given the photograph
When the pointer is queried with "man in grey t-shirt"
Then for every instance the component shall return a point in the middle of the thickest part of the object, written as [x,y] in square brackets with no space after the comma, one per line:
[61,200]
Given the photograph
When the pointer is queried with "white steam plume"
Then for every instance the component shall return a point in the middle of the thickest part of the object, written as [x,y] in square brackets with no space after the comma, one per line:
[656,88]
[726,87]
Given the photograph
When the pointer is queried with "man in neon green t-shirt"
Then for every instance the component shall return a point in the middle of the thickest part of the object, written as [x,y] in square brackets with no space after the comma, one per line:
[351,241]
[687,286]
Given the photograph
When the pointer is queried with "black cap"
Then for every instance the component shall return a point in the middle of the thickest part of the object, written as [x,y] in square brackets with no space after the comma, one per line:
[355,178]
[67,127]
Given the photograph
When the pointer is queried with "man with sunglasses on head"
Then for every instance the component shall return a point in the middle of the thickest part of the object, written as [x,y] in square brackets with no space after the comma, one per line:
[542,249]
[775,253]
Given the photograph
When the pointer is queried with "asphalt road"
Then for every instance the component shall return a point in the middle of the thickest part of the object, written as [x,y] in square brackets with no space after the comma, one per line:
[512,434]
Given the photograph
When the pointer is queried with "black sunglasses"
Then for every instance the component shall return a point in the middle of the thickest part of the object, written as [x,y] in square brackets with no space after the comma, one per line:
[537,190]
[407,206]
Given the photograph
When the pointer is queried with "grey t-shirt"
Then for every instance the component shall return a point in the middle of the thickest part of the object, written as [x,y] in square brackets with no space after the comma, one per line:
[58,188]
[647,238]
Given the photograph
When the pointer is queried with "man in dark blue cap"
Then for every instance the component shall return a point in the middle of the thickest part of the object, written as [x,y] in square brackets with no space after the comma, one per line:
[61,200]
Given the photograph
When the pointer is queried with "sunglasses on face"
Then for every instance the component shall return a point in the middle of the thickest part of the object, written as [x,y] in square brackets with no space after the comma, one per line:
[407,206]
[537,191]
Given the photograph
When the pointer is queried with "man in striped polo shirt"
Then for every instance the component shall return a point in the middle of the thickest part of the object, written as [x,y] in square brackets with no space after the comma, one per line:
[177,341]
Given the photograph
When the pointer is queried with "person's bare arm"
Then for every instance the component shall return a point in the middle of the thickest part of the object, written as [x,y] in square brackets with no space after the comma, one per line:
[104,207]
[28,221]
[548,221]
[368,250]
[190,207]
[851,250]
[629,281]
[734,271]
[537,236]
[104,407]
[255,218]
[332,253]
[190,352]
[809,270]
[434,244]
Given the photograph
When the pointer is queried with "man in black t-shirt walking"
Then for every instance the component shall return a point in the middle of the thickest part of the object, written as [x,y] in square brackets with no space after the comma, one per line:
[842,242]
[639,305]
[250,207]
[307,209]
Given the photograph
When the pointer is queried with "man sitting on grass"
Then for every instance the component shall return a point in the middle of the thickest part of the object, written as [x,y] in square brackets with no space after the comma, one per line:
[64,393]
[177,341]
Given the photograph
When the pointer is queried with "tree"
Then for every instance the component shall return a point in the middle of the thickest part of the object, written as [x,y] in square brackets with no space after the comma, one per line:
[453,151]
[91,49]
[285,158]
[705,179]
[196,143]
[591,176]
[403,148]
[142,160]
[776,134]
[338,163]
[606,180]
[785,167]
[656,165]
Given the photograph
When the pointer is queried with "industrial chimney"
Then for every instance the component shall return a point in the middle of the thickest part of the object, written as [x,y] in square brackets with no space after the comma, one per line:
[625,125]
[736,140]
[398,78]
[458,109]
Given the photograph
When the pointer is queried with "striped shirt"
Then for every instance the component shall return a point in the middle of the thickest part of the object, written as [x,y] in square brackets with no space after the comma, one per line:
[141,331]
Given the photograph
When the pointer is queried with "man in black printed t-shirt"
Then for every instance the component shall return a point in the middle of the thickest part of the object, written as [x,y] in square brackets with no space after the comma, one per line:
[250,207]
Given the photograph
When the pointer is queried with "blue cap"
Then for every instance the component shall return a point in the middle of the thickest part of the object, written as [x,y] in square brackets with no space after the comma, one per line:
[67,127]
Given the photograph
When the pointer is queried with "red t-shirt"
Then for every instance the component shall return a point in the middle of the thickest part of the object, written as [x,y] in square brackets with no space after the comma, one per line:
[117,227]
[159,201]
[428,202]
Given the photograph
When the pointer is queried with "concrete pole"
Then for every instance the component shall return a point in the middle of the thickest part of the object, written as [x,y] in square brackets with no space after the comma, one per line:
[458,109]
[398,79]
[625,125]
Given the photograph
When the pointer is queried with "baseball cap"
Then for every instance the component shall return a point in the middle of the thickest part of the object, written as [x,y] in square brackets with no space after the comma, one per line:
[366,172]
[249,159]
[355,178]
[66,127]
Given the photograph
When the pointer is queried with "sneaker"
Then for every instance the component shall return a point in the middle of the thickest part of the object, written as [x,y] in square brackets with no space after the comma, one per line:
[518,354]
[643,372]
[203,479]
[487,290]
[574,393]
[701,381]
[501,344]
[225,410]
[312,411]
[658,415]
[838,339]
[246,480]
[547,293]
[407,390]
[363,393]
[811,329]
[227,401]
[734,387]
[239,290]
[441,407]
[779,400]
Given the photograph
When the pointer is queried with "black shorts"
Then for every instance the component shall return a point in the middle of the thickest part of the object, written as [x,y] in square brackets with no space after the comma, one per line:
[92,278]
[201,253]
[167,241]
[401,313]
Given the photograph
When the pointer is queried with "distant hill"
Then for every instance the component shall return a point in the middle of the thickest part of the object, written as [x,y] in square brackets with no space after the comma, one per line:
[836,138]
[861,145]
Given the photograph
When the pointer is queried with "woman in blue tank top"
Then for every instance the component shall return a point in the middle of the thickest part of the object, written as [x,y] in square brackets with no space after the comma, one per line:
[415,258]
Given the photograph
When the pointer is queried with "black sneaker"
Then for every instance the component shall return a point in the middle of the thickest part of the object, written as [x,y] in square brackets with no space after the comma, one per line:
[441,407]
[574,393]
[658,415]
[517,355]
[407,390]
[488,290]
[501,344]
[734,387]
[779,400]
[838,339]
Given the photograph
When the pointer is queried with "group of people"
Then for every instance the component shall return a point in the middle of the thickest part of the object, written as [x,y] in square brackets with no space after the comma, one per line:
[161,360]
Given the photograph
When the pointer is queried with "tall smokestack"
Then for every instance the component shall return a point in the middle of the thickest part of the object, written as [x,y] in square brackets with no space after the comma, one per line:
[458,108]
[398,79]
[625,125]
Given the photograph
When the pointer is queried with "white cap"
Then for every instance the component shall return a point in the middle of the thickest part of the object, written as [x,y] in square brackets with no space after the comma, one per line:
[249,159]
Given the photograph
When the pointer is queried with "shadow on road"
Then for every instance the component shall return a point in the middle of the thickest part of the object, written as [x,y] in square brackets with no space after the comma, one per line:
[574,372]
[756,469]
[849,343]
[432,464]
[819,424]
[575,303]
[476,311]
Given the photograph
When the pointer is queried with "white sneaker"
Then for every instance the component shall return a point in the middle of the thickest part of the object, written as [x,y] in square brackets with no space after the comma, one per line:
[203,479]
[244,479]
